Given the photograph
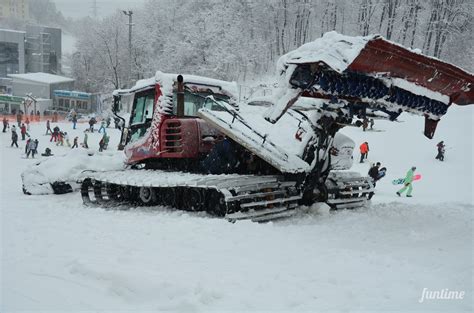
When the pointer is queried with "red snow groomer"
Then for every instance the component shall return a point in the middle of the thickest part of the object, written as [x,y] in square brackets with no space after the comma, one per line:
[190,146]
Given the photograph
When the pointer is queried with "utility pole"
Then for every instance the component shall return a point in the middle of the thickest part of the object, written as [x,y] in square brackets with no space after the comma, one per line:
[129,13]
[94,8]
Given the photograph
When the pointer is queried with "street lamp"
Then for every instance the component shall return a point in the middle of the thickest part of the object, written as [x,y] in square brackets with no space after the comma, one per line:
[129,13]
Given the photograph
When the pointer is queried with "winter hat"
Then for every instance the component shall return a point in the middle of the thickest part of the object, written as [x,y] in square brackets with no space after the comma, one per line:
[413,167]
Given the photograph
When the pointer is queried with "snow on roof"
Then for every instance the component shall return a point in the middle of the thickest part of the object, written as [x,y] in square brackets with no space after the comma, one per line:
[167,78]
[12,31]
[45,78]
[336,50]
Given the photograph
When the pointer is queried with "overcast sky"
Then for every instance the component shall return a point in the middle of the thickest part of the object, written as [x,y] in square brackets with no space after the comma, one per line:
[81,8]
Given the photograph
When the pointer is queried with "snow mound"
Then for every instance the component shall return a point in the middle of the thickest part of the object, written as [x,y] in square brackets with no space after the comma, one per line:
[38,178]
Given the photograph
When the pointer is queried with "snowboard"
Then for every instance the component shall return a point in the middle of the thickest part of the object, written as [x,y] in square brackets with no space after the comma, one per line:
[402,180]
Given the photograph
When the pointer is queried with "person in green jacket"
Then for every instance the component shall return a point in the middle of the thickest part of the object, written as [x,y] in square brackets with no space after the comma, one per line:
[408,182]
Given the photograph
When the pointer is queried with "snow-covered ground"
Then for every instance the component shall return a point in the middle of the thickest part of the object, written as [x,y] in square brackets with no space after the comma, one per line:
[57,254]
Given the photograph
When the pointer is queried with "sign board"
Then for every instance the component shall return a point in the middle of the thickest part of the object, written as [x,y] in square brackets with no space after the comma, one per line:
[13,99]
[72,94]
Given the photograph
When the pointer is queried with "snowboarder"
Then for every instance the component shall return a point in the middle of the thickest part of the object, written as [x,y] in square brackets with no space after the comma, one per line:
[102,127]
[372,124]
[75,143]
[92,121]
[365,123]
[441,150]
[84,142]
[364,151]
[408,182]
[48,127]
[14,137]
[5,124]
[23,131]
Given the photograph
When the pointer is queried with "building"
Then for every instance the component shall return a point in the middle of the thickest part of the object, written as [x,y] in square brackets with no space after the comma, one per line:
[39,85]
[12,52]
[14,9]
[43,49]
[65,100]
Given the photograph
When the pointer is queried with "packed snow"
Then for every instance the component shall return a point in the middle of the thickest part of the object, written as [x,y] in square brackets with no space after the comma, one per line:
[59,255]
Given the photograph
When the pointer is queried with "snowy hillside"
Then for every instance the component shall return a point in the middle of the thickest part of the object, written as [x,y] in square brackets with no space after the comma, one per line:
[59,255]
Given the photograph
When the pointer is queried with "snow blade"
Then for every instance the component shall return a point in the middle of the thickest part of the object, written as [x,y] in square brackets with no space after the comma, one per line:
[382,56]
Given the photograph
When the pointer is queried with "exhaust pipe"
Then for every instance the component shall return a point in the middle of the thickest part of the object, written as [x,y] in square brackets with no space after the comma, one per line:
[180,97]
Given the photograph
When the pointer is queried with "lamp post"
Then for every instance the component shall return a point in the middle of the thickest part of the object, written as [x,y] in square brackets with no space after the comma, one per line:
[129,13]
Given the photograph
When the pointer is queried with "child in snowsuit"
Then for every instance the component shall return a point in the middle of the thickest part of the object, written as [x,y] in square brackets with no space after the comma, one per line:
[364,151]
[55,134]
[31,149]
[14,137]
[440,155]
[66,138]
[84,143]
[75,143]
[374,174]
[60,139]
[102,127]
[408,182]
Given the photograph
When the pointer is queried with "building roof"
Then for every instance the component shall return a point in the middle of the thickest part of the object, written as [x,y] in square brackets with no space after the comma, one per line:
[44,78]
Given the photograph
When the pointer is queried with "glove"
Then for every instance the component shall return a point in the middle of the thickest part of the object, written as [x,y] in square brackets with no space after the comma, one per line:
[406,184]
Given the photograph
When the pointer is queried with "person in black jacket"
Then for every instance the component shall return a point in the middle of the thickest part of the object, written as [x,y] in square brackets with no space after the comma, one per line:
[374,174]
[222,159]
[440,147]
[14,137]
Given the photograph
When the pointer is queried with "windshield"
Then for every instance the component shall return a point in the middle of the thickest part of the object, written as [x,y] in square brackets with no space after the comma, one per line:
[142,113]
[195,101]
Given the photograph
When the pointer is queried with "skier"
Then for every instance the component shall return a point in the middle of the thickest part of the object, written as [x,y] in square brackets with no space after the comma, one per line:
[441,150]
[365,123]
[75,143]
[374,174]
[102,126]
[23,131]
[5,124]
[84,142]
[372,124]
[408,182]
[48,127]
[14,137]
[364,151]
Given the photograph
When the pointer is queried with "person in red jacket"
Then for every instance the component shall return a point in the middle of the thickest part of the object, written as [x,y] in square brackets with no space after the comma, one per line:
[364,151]
[23,131]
